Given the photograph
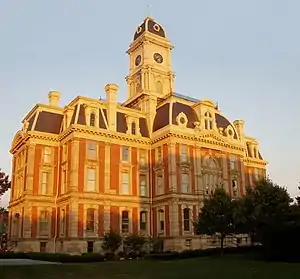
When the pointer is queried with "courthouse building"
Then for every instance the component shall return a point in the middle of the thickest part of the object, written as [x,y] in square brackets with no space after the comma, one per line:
[144,165]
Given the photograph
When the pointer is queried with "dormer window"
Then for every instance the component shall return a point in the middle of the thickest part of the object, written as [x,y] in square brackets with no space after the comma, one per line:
[92,119]
[208,122]
[133,128]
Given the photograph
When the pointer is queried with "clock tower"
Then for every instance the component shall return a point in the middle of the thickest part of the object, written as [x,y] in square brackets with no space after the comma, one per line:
[150,71]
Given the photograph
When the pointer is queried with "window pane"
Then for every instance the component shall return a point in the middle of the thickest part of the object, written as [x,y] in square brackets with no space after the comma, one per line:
[91,182]
[143,185]
[92,119]
[159,185]
[125,221]
[185,182]
[125,183]
[125,153]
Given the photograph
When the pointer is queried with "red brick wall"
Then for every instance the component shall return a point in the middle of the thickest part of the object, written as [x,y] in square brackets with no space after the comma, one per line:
[134,220]
[115,219]
[167,218]
[180,219]
[80,220]
[153,173]
[178,172]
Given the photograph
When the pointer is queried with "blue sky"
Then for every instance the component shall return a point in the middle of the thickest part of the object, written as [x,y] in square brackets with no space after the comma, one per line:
[244,54]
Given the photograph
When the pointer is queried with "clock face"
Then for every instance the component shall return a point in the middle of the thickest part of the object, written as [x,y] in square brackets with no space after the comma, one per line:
[138,60]
[158,58]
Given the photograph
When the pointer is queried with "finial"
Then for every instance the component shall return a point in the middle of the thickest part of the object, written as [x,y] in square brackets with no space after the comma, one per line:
[149,9]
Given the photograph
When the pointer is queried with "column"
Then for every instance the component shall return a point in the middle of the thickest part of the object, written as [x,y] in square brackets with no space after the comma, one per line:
[106,218]
[107,168]
[73,218]
[74,168]
[172,168]
[173,218]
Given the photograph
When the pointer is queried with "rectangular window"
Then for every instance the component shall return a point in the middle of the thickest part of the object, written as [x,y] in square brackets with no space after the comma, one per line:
[184,155]
[143,185]
[62,222]
[159,154]
[159,185]
[64,184]
[92,150]
[143,157]
[44,222]
[143,220]
[125,153]
[91,180]
[186,219]
[47,155]
[185,183]
[233,163]
[125,222]
[90,219]
[125,184]
[161,218]
[44,184]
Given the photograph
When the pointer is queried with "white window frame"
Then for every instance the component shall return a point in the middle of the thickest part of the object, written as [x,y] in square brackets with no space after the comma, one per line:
[47,156]
[89,180]
[159,188]
[127,191]
[143,157]
[123,148]
[92,150]
[45,183]
[185,183]
[143,192]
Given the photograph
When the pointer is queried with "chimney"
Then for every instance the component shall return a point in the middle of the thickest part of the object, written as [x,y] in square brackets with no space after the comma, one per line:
[54,97]
[239,126]
[111,99]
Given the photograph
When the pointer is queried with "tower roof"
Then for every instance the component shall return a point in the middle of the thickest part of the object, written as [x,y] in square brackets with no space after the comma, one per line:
[149,25]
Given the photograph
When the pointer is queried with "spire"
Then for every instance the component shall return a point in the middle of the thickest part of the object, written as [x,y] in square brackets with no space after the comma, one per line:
[149,10]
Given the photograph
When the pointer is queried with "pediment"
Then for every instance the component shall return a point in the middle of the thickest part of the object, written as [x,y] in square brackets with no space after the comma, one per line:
[213,136]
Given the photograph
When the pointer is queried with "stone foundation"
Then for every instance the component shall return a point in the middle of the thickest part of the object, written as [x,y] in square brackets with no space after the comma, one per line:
[77,246]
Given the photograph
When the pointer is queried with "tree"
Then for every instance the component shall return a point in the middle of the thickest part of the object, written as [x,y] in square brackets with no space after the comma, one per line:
[261,209]
[135,242]
[298,198]
[4,183]
[111,242]
[216,216]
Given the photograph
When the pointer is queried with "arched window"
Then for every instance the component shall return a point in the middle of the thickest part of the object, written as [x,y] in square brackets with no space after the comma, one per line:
[186,220]
[90,219]
[133,128]
[208,121]
[125,221]
[159,87]
[92,119]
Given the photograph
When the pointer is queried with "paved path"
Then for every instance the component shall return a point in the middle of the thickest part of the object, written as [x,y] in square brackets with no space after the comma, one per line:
[22,262]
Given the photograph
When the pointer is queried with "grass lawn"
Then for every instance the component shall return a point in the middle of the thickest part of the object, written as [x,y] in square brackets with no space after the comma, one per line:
[201,268]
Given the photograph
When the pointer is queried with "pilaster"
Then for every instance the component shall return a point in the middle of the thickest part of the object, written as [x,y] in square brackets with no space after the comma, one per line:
[198,170]
[106,218]
[73,218]
[174,218]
